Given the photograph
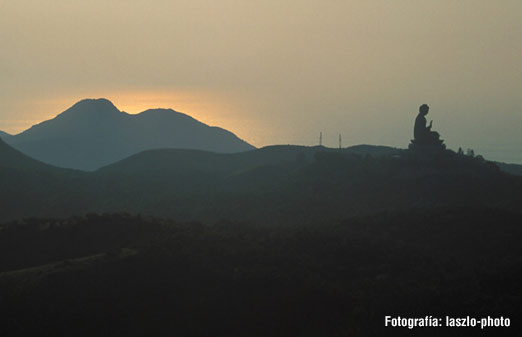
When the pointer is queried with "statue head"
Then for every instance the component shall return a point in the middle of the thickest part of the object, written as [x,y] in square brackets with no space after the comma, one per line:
[423,109]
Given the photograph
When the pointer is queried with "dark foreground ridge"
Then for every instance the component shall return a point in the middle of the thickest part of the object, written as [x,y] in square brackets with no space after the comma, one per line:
[121,275]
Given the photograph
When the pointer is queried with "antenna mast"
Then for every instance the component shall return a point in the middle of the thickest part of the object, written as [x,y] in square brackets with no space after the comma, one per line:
[320,139]
[340,142]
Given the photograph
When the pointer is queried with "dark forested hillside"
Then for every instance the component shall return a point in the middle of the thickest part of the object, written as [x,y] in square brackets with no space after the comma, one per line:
[306,186]
[276,185]
[32,188]
[120,275]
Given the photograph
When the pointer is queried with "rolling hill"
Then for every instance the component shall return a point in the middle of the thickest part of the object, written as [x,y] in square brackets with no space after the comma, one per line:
[14,159]
[283,184]
[178,159]
[32,188]
[94,133]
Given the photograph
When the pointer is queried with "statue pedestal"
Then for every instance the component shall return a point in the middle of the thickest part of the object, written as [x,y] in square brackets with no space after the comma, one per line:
[427,147]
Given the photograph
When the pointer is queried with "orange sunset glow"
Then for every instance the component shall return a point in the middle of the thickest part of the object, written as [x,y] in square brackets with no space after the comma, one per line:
[207,107]
[275,72]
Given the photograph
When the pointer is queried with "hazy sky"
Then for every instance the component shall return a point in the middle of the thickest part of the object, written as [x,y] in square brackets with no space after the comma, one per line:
[276,72]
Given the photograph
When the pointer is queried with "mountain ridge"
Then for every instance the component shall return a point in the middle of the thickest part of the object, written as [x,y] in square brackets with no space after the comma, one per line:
[170,159]
[93,133]
[4,135]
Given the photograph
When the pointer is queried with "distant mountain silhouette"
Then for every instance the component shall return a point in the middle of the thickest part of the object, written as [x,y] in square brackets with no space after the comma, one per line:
[94,133]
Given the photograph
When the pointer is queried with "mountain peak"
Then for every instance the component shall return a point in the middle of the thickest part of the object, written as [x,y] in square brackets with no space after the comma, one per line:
[92,107]
[94,102]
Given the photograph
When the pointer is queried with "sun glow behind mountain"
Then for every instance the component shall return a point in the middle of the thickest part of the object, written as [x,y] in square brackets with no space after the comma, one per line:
[211,108]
